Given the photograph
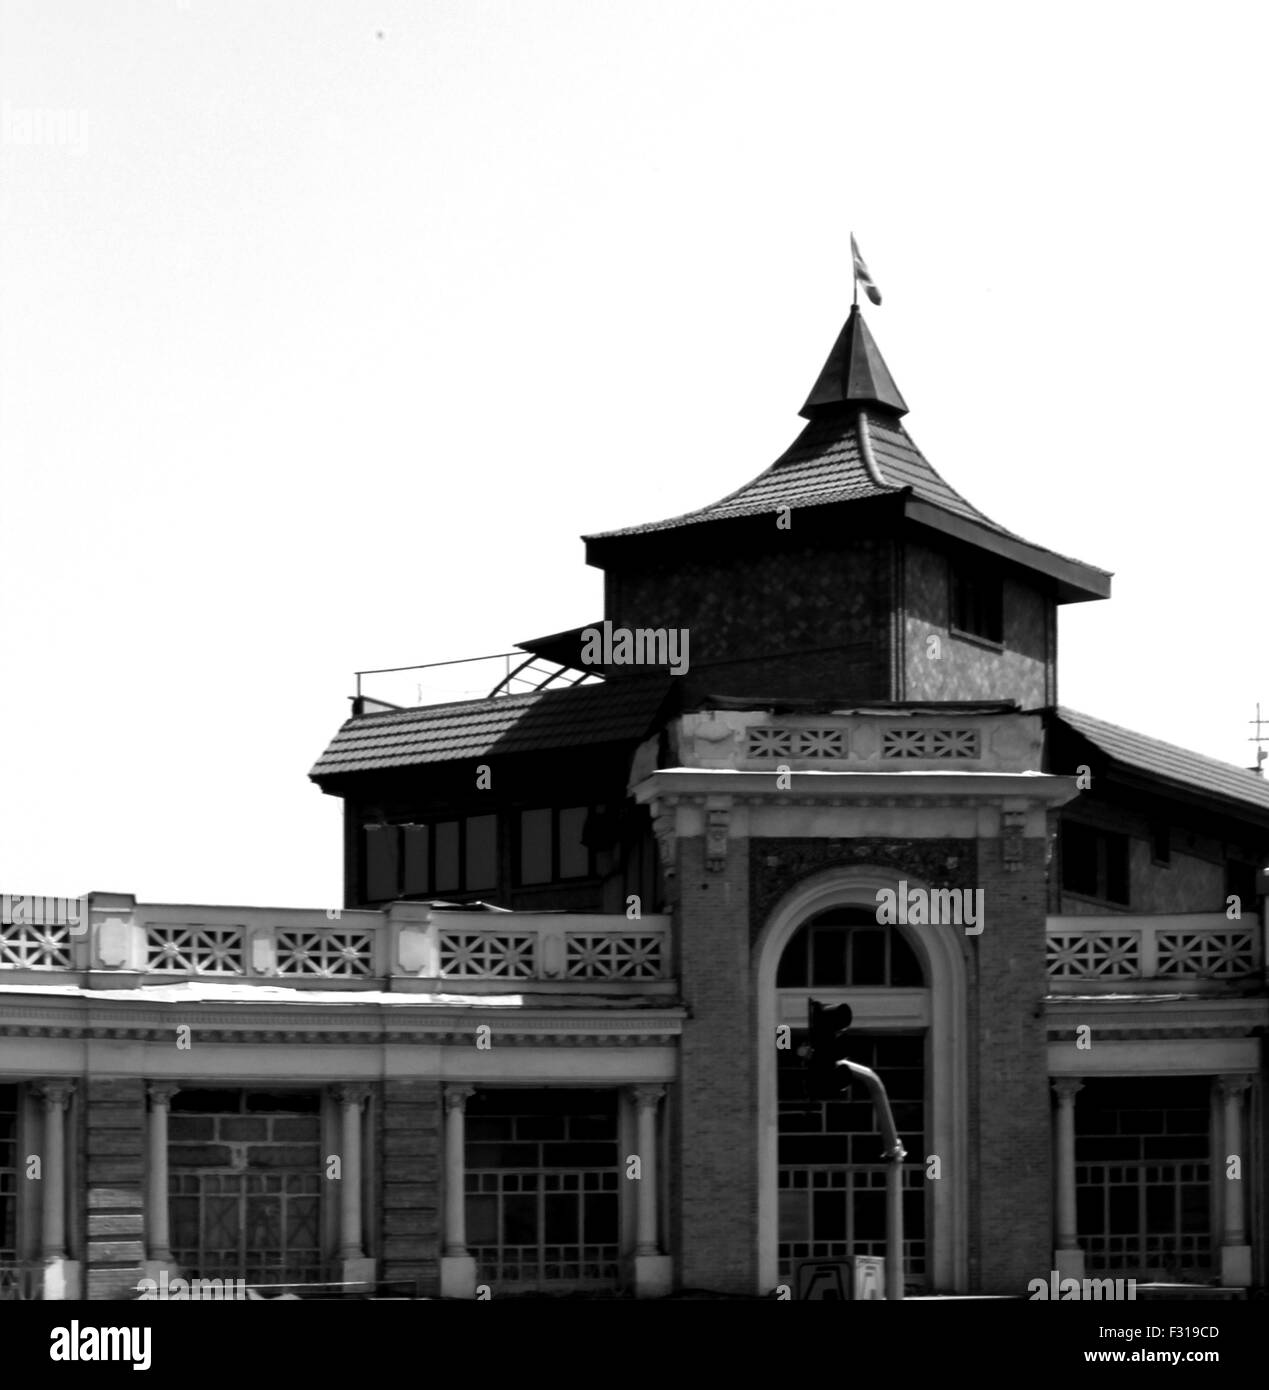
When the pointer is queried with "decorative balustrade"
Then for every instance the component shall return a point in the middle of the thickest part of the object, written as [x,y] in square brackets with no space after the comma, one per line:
[407,945]
[862,740]
[1166,951]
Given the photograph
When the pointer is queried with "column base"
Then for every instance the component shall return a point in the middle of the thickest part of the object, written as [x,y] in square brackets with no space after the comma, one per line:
[1069,1264]
[652,1275]
[458,1276]
[60,1280]
[1236,1266]
[357,1275]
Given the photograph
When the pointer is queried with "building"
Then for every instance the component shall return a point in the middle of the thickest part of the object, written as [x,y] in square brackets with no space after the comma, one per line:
[814,748]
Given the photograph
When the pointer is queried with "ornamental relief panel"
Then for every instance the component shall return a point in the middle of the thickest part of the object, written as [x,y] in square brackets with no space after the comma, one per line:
[776,866]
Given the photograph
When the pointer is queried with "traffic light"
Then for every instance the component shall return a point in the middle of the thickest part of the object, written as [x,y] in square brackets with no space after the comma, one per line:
[825,1048]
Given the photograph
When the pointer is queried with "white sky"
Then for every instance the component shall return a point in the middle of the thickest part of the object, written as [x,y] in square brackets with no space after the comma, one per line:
[319,350]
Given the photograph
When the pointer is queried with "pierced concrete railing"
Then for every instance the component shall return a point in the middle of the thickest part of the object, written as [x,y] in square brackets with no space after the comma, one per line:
[117,941]
[1198,948]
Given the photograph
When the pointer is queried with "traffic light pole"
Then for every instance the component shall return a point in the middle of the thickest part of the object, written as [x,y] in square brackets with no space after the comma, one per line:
[894,1155]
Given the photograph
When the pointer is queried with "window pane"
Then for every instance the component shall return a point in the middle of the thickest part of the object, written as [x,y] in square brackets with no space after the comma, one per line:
[561,1219]
[535,846]
[574,856]
[1117,868]
[416,859]
[446,847]
[1079,859]
[482,1220]
[520,1220]
[601,1218]
[482,859]
[868,957]
[381,862]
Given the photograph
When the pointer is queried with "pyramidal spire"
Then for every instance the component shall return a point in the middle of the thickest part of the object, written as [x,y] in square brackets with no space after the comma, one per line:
[855,375]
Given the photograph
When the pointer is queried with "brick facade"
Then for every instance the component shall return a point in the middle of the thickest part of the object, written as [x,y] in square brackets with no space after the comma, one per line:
[715,1102]
[409,1142]
[1011,1135]
[113,1135]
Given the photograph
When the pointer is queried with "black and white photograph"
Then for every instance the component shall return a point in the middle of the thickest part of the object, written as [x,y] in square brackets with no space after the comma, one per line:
[634,672]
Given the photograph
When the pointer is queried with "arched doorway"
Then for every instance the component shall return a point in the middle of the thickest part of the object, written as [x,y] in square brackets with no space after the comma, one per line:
[821,1186]
[831,1176]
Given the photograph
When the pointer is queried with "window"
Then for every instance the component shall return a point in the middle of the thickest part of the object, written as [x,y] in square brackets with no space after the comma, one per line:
[845,948]
[554,845]
[1240,882]
[450,856]
[1095,862]
[977,603]
[543,1195]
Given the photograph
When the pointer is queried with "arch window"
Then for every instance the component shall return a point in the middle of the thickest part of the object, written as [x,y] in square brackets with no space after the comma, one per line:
[844,948]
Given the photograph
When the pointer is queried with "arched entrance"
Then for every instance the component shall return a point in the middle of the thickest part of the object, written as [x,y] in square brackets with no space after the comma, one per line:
[907,986]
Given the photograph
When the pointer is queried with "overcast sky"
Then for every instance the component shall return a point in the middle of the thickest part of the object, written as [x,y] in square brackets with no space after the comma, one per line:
[326,329]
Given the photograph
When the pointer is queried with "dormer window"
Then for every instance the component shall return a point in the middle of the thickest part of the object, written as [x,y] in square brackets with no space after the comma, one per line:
[977,602]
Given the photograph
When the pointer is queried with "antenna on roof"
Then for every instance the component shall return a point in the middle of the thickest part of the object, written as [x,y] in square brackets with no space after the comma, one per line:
[1259,739]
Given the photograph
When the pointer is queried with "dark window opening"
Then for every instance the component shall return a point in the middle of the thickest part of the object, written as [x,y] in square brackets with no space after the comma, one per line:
[845,948]
[1240,883]
[554,845]
[451,856]
[978,603]
[1161,843]
[1095,862]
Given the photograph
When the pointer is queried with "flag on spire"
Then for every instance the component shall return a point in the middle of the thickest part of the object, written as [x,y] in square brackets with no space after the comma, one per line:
[862,275]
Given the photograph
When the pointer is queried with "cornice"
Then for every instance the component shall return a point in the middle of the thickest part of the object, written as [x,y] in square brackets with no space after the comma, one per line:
[440,1027]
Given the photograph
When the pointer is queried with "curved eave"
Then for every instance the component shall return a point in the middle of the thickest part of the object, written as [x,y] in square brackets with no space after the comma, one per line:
[1075,581]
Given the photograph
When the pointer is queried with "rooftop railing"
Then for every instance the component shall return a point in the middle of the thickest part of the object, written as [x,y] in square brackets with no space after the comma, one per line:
[409,945]
[1155,953]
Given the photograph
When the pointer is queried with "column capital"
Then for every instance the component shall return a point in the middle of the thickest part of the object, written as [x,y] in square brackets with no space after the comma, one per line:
[55,1094]
[1066,1088]
[161,1093]
[1231,1087]
[646,1097]
[352,1093]
[456,1097]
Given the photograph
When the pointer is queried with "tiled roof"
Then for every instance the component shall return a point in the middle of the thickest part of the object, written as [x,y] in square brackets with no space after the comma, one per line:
[1192,771]
[825,464]
[614,712]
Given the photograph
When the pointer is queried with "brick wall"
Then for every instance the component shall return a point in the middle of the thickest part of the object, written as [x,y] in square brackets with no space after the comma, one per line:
[746,610]
[715,1114]
[411,1160]
[1011,1192]
[114,1220]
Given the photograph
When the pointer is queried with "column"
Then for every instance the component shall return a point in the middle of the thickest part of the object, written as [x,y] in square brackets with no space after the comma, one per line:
[56,1096]
[60,1276]
[1235,1251]
[456,1168]
[653,1272]
[1068,1257]
[350,1099]
[458,1266]
[161,1093]
[646,1099]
